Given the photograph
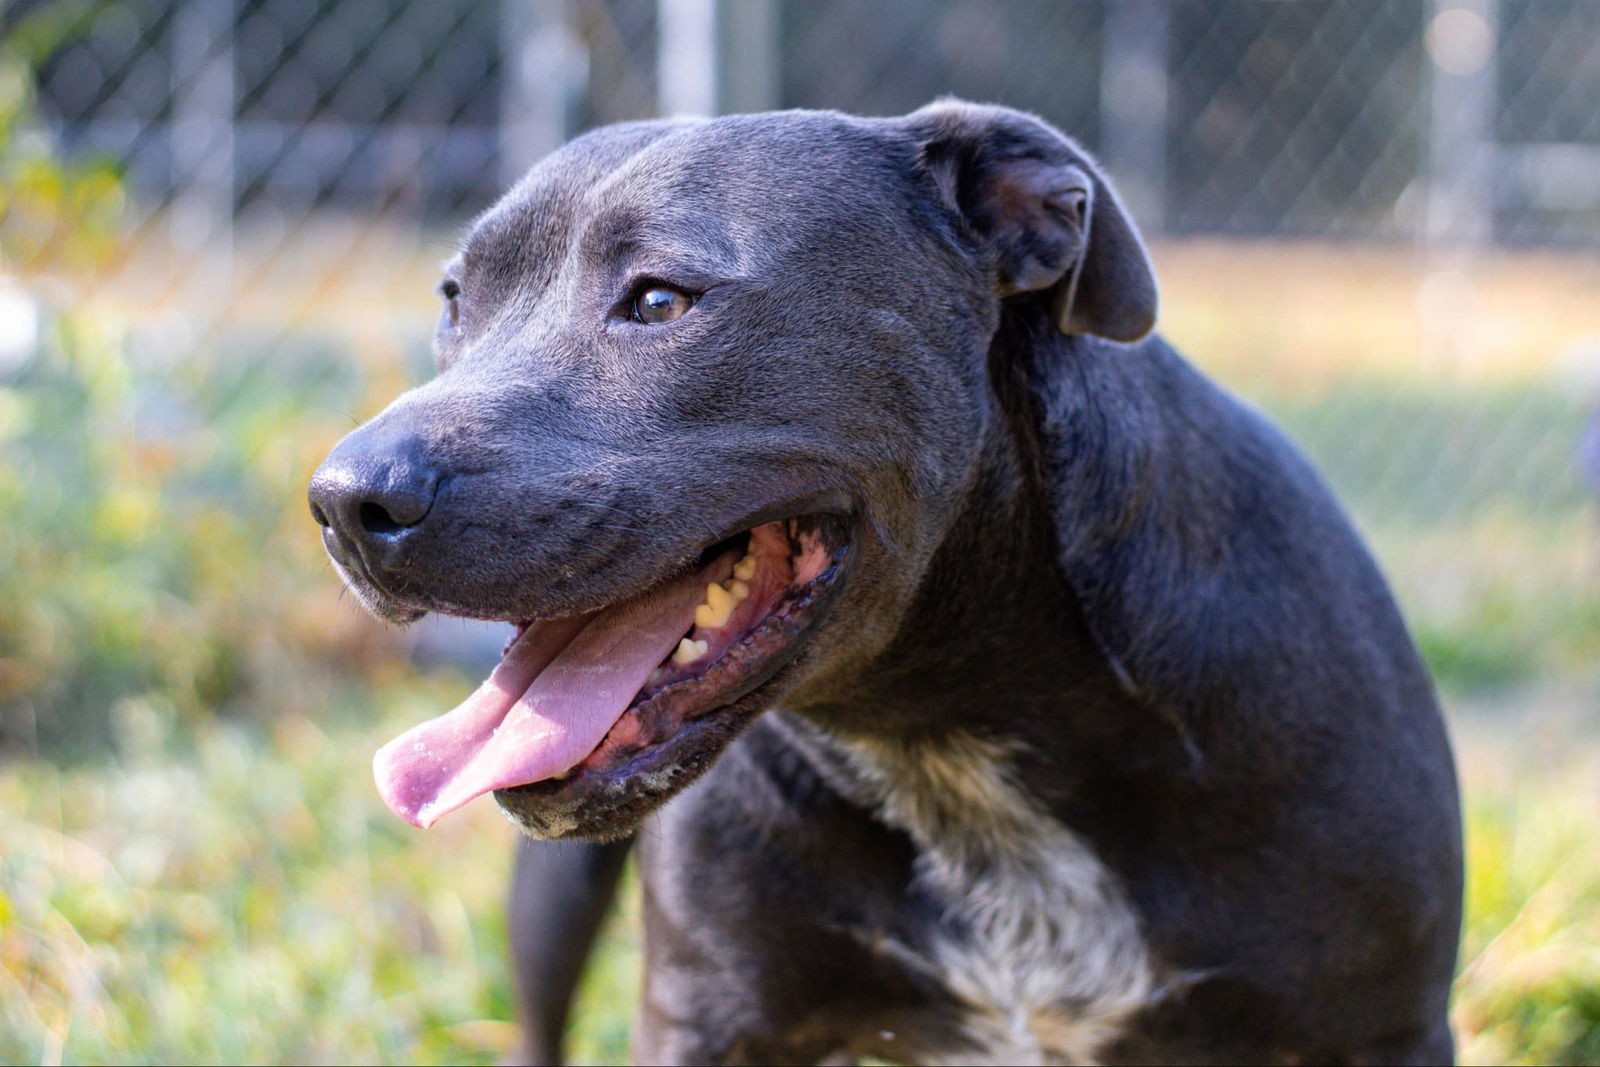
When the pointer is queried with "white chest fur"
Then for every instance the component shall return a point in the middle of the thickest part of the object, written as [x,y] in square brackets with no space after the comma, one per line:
[1037,937]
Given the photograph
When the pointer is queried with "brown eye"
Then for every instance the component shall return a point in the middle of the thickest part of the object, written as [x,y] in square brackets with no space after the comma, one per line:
[659,304]
[451,291]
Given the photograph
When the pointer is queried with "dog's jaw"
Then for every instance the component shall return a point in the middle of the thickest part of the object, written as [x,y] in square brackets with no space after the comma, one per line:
[589,710]
[681,725]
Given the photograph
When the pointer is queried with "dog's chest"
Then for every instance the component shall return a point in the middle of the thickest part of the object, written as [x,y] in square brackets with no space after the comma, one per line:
[1028,931]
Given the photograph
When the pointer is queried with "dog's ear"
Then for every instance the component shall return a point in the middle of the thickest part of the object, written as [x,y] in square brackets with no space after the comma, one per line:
[1042,207]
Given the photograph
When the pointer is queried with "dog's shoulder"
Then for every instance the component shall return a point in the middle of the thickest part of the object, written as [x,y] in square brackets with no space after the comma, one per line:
[1211,560]
[1236,600]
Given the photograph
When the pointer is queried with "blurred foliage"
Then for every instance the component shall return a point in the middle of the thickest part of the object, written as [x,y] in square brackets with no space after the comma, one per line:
[1472,500]
[49,212]
[1507,447]
[157,545]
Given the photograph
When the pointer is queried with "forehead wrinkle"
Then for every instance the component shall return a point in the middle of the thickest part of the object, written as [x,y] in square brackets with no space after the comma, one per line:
[521,241]
[756,189]
[672,204]
[625,236]
[611,231]
[518,247]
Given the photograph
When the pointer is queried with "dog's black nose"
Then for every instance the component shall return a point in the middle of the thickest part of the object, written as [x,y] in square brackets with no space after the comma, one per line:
[372,501]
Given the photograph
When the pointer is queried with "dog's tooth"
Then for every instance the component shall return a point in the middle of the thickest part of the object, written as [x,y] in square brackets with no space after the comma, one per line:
[739,589]
[719,604]
[688,651]
[745,569]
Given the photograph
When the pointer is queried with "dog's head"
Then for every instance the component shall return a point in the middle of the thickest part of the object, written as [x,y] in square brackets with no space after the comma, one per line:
[708,396]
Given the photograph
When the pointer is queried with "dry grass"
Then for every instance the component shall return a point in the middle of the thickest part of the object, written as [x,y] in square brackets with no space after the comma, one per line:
[1292,318]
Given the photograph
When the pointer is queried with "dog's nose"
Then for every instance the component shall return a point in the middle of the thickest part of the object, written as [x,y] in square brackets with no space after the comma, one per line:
[372,501]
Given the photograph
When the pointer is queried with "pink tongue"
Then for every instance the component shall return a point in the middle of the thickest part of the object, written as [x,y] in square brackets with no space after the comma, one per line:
[560,688]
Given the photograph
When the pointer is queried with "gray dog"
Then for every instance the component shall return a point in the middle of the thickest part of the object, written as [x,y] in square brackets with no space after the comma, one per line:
[1040,704]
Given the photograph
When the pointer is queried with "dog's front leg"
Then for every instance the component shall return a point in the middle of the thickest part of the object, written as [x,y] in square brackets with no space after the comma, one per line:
[657,1040]
[689,1016]
[736,970]
[560,893]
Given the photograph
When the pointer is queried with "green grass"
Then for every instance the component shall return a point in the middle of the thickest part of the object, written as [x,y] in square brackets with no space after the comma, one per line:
[1429,456]
[247,901]
[242,896]
[1529,987]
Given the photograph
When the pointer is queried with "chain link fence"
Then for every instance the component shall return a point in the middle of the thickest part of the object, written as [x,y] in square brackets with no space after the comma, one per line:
[1382,217]
[1307,118]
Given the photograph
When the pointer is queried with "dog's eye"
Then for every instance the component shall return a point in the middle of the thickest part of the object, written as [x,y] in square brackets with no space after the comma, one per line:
[659,304]
[451,291]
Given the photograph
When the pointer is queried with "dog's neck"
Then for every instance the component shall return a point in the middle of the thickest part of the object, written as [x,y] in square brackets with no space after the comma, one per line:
[977,735]
[994,621]
[997,644]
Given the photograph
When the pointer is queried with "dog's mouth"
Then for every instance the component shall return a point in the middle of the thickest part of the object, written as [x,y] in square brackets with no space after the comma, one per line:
[614,692]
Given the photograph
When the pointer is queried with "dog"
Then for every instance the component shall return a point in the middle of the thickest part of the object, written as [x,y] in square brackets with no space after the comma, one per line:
[1020,696]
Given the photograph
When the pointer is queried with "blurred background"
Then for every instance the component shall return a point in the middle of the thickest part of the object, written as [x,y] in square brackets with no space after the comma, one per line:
[220,222]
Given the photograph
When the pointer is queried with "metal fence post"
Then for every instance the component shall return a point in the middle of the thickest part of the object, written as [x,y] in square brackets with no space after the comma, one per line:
[1460,39]
[1133,104]
[686,57]
[201,132]
[749,56]
[1458,210]
[545,75]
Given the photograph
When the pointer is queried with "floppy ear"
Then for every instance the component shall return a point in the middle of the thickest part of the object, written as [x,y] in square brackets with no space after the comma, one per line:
[1041,206]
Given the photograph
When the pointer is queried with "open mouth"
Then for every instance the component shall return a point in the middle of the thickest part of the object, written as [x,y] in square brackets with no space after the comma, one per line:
[619,690]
